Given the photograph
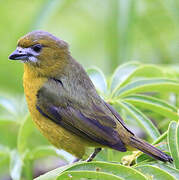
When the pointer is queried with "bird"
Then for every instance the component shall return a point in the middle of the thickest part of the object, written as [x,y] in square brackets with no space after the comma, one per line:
[65,105]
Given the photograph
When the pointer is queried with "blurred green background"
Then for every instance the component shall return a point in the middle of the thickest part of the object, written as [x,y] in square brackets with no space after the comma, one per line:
[100,33]
[103,33]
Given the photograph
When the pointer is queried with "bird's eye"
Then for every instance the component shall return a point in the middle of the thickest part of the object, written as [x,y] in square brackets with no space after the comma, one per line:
[37,47]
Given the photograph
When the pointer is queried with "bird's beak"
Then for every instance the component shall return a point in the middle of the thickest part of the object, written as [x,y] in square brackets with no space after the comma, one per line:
[18,55]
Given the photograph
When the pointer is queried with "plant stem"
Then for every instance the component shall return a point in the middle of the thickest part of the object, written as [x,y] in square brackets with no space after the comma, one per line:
[28,170]
[159,139]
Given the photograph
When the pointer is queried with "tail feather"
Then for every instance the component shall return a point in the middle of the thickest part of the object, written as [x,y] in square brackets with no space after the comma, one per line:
[149,149]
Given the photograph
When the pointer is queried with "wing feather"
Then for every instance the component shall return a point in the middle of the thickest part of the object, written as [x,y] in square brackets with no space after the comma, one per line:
[90,122]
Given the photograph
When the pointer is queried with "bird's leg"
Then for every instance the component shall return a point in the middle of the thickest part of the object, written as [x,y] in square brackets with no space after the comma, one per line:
[93,155]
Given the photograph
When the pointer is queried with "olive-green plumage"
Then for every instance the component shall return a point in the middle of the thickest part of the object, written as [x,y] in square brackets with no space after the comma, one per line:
[64,103]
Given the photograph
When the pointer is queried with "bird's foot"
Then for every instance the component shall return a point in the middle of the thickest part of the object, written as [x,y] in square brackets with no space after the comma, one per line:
[93,155]
[128,159]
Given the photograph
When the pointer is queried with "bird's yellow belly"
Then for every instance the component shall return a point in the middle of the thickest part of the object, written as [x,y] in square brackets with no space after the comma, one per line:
[57,135]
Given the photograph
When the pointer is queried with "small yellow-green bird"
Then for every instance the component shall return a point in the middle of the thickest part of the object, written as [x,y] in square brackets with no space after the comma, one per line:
[64,103]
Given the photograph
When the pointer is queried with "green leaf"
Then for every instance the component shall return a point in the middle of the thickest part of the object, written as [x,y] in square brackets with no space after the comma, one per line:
[51,175]
[15,165]
[13,108]
[43,151]
[4,150]
[110,168]
[122,74]
[160,138]
[148,85]
[154,104]
[80,175]
[170,170]
[155,173]
[98,79]
[144,158]
[177,137]
[5,154]
[145,71]
[8,105]
[94,170]
[4,163]
[172,142]
[24,132]
[145,122]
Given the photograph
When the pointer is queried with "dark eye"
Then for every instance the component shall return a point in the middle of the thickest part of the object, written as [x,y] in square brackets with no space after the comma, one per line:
[37,47]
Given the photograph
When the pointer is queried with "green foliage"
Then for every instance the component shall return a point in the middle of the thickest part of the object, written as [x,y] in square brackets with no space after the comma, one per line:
[144,95]
[103,33]
[173,135]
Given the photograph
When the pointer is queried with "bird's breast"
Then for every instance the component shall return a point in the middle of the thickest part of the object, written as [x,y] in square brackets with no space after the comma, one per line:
[56,134]
[31,87]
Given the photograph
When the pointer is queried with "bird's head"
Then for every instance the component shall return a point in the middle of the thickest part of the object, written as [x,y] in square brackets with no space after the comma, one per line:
[41,50]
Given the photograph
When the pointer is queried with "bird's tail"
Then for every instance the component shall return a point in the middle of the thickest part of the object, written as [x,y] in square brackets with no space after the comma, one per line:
[149,149]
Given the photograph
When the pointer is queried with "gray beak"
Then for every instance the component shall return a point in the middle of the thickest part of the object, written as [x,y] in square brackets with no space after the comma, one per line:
[18,55]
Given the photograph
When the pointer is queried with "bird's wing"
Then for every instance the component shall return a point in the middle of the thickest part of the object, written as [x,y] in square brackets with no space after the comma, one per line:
[93,121]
